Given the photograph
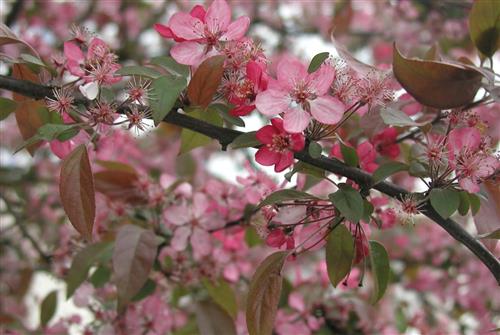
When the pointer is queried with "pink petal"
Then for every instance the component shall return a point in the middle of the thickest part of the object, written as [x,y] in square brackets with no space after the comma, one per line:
[73,52]
[237,29]
[218,16]
[488,218]
[198,12]
[285,161]
[188,53]
[469,185]
[266,157]
[200,205]
[276,238]
[178,215]
[179,240]
[186,26]
[290,71]
[266,133]
[254,72]
[231,272]
[298,142]
[61,149]
[460,138]
[296,120]
[321,80]
[163,30]
[242,110]
[200,241]
[272,102]
[326,109]
[278,124]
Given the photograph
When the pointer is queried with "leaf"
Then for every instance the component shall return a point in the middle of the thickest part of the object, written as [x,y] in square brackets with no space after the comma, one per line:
[245,140]
[315,150]
[395,117]
[48,308]
[264,294]
[379,261]
[349,202]
[307,169]
[136,70]
[487,218]
[100,276]
[349,155]
[7,106]
[284,195]
[444,201]
[76,188]
[115,165]
[317,61]
[212,320]
[475,203]
[222,293]
[191,139]
[484,26]
[224,113]
[30,59]
[167,89]
[147,289]
[205,81]
[8,37]
[388,169]
[171,66]
[464,205]
[494,235]
[251,237]
[81,264]
[436,84]
[339,254]
[133,257]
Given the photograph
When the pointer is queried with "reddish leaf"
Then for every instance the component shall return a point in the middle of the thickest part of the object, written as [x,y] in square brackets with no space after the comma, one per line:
[133,257]
[264,294]
[213,320]
[76,189]
[437,84]
[119,184]
[205,81]
[8,37]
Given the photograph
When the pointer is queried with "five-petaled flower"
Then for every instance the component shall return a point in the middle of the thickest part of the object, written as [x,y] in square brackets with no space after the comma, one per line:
[279,145]
[299,95]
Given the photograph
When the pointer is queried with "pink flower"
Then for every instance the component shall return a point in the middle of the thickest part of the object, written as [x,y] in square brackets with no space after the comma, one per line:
[200,33]
[385,142]
[278,147]
[247,89]
[299,95]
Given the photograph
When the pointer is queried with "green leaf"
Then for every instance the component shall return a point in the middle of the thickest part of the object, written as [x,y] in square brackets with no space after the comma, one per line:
[388,169]
[222,293]
[349,155]
[50,132]
[212,320]
[397,118]
[315,149]
[475,203]
[30,59]
[437,84]
[169,64]
[494,235]
[251,237]
[167,89]
[308,169]
[417,169]
[349,202]
[224,113]
[191,139]
[379,260]
[7,106]
[285,195]
[48,308]
[400,320]
[147,289]
[339,253]
[264,294]
[463,207]
[444,201]
[367,210]
[484,26]
[100,277]
[81,265]
[136,70]
[317,61]
[245,140]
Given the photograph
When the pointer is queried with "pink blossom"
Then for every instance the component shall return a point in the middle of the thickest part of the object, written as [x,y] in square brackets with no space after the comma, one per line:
[247,89]
[200,34]
[279,145]
[385,142]
[300,95]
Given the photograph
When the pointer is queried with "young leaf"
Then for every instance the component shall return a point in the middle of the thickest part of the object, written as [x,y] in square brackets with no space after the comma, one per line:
[167,89]
[264,294]
[349,155]
[133,257]
[379,261]
[339,254]
[100,276]
[315,150]
[222,293]
[171,66]
[444,201]
[284,195]
[76,188]
[436,84]
[349,202]
[7,106]
[212,320]
[464,205]
[119,185]
[245,140]
[136,70]
[317,61]
[484,26]
[206,80]
[191,139]
[397,118]
[388,169]
[81,265]
[48,308]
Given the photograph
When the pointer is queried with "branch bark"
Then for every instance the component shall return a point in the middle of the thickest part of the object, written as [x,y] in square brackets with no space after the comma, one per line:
[225,136]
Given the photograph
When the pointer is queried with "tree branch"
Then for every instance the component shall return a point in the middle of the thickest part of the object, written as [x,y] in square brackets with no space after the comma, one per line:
[225,136]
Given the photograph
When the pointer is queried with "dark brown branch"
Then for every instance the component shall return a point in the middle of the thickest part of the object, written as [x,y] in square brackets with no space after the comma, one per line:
[225,136]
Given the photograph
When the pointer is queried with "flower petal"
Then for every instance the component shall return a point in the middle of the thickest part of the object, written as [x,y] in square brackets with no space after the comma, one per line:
[266,133]
[188,53]
[73,52]
[237,29]
[266,157]
[290,71]
[285,161]
[200,241]
[326,109]
[272,102]
[298,142]
[218,16]
[296,120]
[186,26]
[321,79]
[180,238]
[199,12]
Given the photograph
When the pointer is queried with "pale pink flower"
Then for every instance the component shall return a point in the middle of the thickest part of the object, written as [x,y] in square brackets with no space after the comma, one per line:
[300,95]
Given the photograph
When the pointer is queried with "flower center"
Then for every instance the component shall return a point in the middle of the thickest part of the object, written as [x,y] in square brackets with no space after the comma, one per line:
[280,143]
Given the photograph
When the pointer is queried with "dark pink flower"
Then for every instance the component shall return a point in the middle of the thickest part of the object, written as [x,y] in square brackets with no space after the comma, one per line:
[247,89]
[385,142]
[279,145]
